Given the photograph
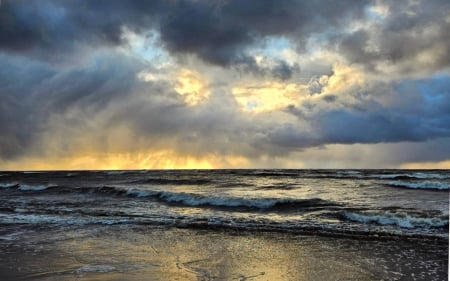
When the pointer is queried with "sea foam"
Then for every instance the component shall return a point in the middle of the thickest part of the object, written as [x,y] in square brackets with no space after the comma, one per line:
[420,185]
[25,187]
[412,176]
[8,185]
[190,199]
[402,220]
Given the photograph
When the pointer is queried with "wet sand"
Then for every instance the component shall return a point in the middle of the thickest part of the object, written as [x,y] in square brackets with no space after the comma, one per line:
[121,252]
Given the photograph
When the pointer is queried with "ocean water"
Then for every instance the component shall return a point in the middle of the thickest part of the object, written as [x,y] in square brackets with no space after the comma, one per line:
[400,204]
[224,225]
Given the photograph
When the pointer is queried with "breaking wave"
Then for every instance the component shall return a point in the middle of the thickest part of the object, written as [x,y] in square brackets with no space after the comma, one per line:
[411,176]
[409,224]
[420,185]
[24,187]
[189,199]
[8,185]
[403,220]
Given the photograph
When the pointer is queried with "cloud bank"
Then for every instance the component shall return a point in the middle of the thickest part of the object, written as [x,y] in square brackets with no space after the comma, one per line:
[164,84]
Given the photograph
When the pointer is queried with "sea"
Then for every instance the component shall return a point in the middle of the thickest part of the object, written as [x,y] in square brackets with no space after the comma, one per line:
[363,205]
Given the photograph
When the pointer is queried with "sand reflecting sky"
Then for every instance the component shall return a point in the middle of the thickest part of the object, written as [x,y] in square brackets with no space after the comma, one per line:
[150,253]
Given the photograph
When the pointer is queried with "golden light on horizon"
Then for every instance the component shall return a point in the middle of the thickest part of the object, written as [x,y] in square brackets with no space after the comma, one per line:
[161,160]
[427,165]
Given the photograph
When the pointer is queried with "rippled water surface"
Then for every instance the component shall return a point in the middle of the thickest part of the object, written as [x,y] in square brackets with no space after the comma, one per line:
[401,203]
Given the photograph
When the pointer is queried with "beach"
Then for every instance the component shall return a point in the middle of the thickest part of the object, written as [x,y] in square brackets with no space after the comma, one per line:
[122,252]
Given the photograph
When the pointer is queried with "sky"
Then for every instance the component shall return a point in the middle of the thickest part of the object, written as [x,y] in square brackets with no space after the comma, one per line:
[168,84]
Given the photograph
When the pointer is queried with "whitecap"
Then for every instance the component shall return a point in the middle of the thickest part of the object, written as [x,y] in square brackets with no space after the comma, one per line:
[421,185]
[402,220]
[199,200]
[389,176]
[430,176]
[7,185]
[418,175]
[25,187]
[190,199]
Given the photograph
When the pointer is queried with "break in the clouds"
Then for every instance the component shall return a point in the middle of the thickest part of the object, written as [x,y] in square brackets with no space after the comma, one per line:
[162,84]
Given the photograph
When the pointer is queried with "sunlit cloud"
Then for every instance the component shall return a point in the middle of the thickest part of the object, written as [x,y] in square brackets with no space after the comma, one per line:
[268,96]
[192,87]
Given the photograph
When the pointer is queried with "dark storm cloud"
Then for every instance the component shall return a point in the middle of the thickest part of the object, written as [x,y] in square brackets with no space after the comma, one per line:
[32,92]
[373,127]
[278,69]
[418,111]
[44,102]
[410,31]
[48,29]
[284,71]
[218,32]
[18,120]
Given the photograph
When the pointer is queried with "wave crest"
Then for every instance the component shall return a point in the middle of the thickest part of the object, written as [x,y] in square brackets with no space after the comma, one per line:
[24,187]
[190,199]
[420,185]
[412,176]
[402,219]
[163,181]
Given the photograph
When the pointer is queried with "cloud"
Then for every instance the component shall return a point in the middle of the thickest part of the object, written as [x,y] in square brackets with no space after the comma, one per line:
[222,81]
[419,155]
[105,106]
[410,38]
[410,110]
[219,33]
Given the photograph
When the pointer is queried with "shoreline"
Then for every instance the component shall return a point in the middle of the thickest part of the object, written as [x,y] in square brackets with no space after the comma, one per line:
[124,252]
[299,231]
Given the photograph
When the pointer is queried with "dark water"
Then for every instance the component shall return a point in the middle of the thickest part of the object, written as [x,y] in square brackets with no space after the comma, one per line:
[354,203]
[224,225]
